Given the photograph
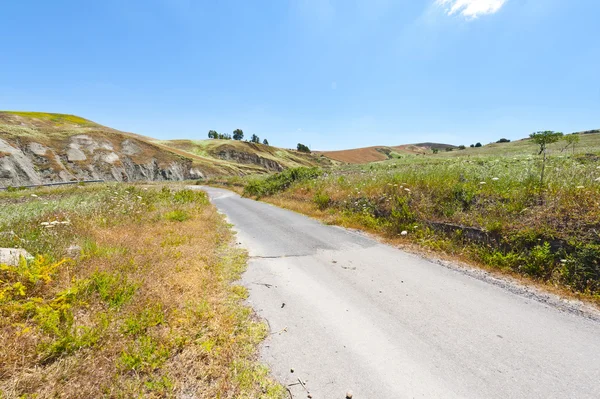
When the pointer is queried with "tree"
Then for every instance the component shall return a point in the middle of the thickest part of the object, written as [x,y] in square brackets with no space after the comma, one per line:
[265,142]
[213,134]
[571,140]
[238,134]
[478,145]
[449,149]
[255,139]
[503,141]
[461,147]
[472,146]
[543,139]
[435,150]
[303,148]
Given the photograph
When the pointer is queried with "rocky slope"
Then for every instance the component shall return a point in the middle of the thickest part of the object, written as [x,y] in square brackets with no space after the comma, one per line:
[38,148]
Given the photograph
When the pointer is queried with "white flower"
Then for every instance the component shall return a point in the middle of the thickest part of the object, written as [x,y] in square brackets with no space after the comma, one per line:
[580,187]
[139,197]
[34,196]
[404,233]
[482,182]
[495,178]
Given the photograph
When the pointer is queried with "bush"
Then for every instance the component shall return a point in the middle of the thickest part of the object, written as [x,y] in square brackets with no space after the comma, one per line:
[276,183]
[303,148]
[322,200]
[503,141]
[581,270]
[540,261]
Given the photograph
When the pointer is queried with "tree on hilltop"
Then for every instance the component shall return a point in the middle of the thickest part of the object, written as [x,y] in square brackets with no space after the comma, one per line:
[238,134]
[212,134]
[303,148]
[265,142]
[254,139]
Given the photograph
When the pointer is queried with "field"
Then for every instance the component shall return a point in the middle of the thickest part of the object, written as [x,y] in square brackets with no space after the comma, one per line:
[484,205]
[130,293]
[378,153]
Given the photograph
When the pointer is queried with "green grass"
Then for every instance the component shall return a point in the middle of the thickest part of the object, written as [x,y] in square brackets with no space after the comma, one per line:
[54,118]
[489,209]
[589,143]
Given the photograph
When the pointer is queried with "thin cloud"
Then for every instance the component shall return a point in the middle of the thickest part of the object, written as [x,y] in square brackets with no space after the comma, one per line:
[471,8]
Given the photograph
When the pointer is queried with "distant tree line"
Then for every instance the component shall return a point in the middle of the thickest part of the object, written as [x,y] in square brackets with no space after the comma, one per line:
[238,134]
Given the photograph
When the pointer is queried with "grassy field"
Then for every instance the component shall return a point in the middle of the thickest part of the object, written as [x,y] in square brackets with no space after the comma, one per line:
[131,293]
[485,206]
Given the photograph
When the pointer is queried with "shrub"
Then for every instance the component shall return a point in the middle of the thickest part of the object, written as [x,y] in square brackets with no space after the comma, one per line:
[581,270]
[177,216]
[540,261]
[303,148]
[322,200]
[276,183]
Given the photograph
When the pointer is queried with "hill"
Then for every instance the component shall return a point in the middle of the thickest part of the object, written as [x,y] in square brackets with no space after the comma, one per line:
[38,148]
[241,157]
[589,143]
[380,153]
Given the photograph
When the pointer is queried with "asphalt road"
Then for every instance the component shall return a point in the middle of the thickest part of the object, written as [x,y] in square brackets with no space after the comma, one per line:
[349,313]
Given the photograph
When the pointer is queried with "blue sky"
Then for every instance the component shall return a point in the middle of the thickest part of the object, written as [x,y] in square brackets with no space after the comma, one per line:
[332,74]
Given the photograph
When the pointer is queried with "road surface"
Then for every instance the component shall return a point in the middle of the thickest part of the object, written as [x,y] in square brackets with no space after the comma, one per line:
[349,313]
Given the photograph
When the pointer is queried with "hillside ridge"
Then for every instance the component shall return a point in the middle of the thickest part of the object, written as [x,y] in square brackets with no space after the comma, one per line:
[39,148]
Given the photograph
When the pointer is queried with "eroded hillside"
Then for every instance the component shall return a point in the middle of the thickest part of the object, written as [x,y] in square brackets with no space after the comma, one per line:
[38,148]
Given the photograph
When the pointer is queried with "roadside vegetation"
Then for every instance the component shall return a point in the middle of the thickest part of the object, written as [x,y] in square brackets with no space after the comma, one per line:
[130,292]
[494,210]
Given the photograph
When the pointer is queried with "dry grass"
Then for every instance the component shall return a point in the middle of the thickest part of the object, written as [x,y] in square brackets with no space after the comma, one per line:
[373,154]
[147,309]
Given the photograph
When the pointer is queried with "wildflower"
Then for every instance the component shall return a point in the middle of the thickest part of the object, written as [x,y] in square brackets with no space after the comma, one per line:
[495,178]
[139,197]
[482,182]
[580,187]
[404,233]
[34,196]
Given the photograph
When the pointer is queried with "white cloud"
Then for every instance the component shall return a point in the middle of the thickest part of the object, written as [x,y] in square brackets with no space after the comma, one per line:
[471,8]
